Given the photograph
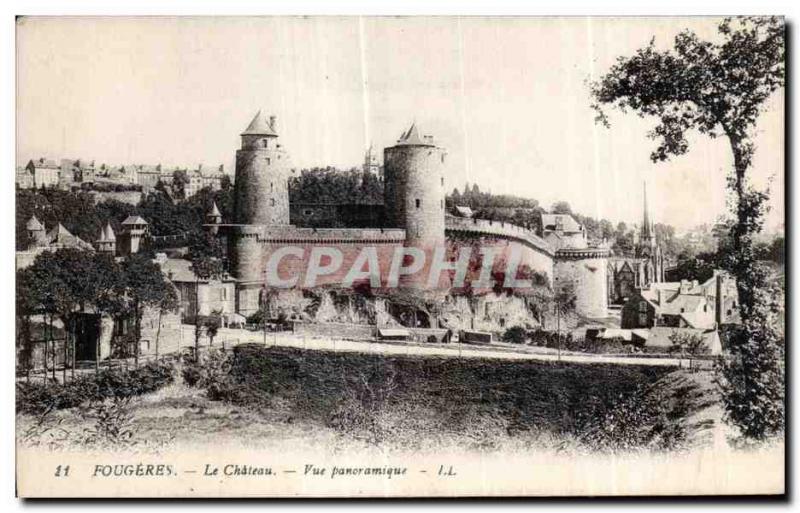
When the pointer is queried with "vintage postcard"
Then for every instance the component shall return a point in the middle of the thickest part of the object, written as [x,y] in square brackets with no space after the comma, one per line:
[400,256]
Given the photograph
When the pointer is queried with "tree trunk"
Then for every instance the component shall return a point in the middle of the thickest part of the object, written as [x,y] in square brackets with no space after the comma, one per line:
[67,331]
[137,334]
[158,330]
[53,344]
[45,357]
[97,349]
[740,168]
[197,321]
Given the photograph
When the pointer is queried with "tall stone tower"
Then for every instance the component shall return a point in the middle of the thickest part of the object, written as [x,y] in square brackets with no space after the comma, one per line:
[261,198]
[262,176]
[414,188]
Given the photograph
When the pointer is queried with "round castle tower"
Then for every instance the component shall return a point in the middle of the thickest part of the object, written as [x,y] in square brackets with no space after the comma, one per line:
[587,270]
[414,188]
[262,176]
[261,198]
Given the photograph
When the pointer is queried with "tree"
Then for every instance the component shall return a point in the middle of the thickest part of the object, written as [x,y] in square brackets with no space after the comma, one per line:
[144,286]
[719,88]
[561,207]
[564,303]
[206,255]
[687,343]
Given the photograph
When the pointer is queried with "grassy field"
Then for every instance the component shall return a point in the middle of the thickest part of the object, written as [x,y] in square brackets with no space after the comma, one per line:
[278,396]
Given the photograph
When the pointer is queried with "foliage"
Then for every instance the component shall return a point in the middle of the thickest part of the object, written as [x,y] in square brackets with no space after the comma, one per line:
[37,398]
[684,343]
[632,421]
[334,186]
[79,214]
[210,373]
[719,88]
[515,335]
[113,423]
[398,399]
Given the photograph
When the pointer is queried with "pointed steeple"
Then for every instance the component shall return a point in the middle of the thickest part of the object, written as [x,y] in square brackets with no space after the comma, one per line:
[260,126]
[412,138]
[647,232]
[107,234]
[34,225]
[214,210]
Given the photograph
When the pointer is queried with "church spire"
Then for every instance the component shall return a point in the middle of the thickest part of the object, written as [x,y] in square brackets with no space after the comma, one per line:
[647,232]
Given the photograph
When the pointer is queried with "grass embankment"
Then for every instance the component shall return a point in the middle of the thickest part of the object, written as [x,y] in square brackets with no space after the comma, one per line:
[418,402]
[283,397]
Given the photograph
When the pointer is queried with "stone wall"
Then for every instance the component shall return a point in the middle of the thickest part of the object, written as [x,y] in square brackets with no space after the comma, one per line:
[414,192]
[336,330]
[129,197]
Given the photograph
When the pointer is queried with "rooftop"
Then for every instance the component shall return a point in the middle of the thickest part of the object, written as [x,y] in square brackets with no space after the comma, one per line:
[260,126]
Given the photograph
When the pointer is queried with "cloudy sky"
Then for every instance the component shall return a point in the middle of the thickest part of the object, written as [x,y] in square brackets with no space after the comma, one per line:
[507,97]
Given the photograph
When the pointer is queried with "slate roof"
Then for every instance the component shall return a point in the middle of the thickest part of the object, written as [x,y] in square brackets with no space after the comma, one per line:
[464,211]
[566,221]
[134,220]
[61,236]
[412,138]
[214,210]
[107,234]
[260,126]
[33,224]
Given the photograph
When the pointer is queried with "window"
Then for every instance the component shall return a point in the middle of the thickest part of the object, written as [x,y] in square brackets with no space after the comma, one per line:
[643,306]
[441,203]
[223,294]
[272,202]
[643,319]
[271,188]
[418,202]
[268,161]
[442,181]
[264,143]
[442,158]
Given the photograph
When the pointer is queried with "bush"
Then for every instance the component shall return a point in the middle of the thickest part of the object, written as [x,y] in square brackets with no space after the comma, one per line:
[515,335]
[39,398]
[637,420]
[210,373]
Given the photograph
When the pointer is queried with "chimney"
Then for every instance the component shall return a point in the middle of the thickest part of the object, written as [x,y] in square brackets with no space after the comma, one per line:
[272,123]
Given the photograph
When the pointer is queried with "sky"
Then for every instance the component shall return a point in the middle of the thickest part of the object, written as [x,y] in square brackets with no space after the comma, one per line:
[507,97]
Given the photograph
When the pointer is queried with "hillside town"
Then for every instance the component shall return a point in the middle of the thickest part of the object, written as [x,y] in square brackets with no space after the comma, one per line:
[412,282]
[622,302]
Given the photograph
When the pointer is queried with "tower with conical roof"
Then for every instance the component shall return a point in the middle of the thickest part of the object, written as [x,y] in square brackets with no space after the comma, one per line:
[37,236]
[261,199]
[414,188]
[262,176]
[107,242]
[213,218]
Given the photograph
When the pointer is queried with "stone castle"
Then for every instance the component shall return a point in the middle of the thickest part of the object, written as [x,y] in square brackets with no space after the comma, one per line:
[414,194]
